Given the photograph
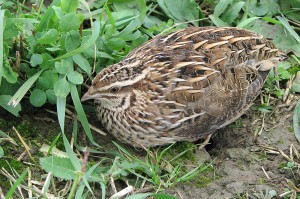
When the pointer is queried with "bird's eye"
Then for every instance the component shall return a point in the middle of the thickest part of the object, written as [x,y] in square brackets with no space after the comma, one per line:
[114,90]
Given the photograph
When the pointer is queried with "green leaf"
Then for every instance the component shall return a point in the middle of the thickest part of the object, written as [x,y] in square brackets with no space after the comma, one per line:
[62,88]
[232,13]
[221,7]
[47,16]
[116,44]
[1,152]
[60,167]
[289,28]
[69,5]
[296,83]
[75,77]
[263,7]
[10,75]
[69,22]
[163,196]
[38,98]
[82,63]
[48,62]
[296,121]
[64,66]
[42,83]
[217,21]
[181,10]
[51,96]
[51,76]
[58,11]
[36,59]
[72,40]
[49,37]
[4,99]
[1,42]
[86,45]
[15,100]
[281,39]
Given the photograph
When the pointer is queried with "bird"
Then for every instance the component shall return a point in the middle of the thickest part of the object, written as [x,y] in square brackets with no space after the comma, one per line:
[182,86]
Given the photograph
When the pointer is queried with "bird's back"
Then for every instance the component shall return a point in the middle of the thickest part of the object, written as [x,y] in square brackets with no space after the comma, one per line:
[204,78]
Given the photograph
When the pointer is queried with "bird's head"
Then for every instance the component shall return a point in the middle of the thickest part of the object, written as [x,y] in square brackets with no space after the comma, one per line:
[114,86]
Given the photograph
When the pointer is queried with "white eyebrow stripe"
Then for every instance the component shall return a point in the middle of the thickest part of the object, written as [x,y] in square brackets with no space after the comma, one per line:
[128,82]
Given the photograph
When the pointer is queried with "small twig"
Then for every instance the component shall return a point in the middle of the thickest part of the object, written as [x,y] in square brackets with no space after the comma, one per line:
[179,194]
[53,185]
[29,183]
[112,184]
[288,88]
[27,148]
[295,151]
[292,186]
[143,147]
[284,194]
[34,182]
[280,151]
[291,152]
[122,193]
[66,189]
[262,125]
[85,160]
[34,188]
[23,154]
[143,183]
[1,194]
[144,190]
[206,142]
[266,174]
[272,152]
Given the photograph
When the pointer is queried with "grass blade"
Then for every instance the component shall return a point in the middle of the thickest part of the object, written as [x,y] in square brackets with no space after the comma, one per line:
[1,42]
[74,160]
[221,7]
[4,99]
[15,185]
[286,24]
[81,113]
[15,100]
[103,189]
[296,121]
[217,21]
[47,16]
[47,184]
[246,22]
[61,112]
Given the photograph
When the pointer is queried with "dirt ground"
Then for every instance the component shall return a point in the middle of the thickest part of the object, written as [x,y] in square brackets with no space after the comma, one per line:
[243,164]
[248,166]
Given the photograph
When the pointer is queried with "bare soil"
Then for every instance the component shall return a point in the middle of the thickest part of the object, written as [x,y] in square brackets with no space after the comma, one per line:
[248,166]
[243,164]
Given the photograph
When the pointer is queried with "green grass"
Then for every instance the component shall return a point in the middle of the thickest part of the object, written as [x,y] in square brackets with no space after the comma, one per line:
[49,51]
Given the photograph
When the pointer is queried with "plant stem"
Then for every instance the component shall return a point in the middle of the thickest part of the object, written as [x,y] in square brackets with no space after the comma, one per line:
[75,184]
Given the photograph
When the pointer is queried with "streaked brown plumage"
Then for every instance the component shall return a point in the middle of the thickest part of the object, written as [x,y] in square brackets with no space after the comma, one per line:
[182,86]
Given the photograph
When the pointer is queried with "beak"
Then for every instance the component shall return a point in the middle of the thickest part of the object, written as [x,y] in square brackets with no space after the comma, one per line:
[90,94]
